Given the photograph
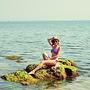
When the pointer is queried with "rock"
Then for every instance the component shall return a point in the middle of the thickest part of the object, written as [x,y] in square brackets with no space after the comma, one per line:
[10,77]
[13,57]
[20,76]
[30,67]
[59,72]
[42,74]
[63,69]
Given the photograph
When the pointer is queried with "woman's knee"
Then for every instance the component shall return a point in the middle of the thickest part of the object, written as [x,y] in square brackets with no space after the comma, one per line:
[45,56]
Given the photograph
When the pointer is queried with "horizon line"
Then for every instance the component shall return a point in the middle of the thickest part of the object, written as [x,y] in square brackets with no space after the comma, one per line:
[40,20]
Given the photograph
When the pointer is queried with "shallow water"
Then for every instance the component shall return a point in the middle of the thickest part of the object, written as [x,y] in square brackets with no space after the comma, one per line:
[29,40]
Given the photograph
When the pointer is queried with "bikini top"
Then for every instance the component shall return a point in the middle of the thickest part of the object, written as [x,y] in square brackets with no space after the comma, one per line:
[55,51]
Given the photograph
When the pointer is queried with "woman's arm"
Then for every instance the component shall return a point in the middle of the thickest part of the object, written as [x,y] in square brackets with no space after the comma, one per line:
[49,41]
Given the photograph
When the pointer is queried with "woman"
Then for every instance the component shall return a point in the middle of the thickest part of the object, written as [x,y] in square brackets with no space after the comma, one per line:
[54,42]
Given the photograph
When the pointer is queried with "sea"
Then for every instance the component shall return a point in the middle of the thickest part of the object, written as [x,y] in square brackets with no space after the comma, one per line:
[28,39]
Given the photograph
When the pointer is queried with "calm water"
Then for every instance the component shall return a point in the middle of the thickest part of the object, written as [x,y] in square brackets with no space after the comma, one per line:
[29,40]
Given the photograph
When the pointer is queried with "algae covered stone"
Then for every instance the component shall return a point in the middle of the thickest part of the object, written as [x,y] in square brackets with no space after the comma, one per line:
[41,74]
[62,70]
[59,71]
[10,77]
[30,67]
[13,57]
[20,76]
[67,62]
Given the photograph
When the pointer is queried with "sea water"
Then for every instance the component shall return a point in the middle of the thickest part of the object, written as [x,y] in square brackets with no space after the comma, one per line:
[29,40]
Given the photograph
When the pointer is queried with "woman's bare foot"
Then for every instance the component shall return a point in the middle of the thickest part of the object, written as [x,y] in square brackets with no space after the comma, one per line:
[32,72]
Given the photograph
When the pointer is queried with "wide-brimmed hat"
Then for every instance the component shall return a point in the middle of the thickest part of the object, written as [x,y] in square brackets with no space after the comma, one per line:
[55,38]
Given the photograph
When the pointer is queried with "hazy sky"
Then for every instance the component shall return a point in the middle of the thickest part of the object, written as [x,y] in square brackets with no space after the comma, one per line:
[21,10]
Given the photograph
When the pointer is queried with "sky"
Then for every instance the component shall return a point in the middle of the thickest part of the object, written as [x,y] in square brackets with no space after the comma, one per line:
[29,10]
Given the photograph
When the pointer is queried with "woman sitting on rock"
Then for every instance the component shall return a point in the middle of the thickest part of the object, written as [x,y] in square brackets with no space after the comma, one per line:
[50,61]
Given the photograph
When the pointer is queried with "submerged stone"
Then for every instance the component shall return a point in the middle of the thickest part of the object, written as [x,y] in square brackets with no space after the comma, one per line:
[13,57]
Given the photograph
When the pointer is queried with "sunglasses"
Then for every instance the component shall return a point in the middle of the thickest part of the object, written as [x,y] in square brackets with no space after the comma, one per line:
[53,41]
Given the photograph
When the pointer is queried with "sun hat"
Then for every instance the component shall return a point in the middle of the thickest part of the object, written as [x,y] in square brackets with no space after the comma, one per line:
[55,38]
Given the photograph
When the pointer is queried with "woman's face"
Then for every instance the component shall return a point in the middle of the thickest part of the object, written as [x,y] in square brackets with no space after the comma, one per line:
[55,42]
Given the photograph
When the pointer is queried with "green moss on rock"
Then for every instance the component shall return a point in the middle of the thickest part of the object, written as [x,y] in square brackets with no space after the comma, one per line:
[41,74]
[20,76]
[30,67]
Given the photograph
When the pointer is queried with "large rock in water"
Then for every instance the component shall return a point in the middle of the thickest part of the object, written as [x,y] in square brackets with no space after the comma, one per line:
[64,69]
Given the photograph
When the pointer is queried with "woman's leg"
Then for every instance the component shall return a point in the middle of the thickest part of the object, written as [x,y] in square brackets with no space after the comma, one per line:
[45,56]
[46,62]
